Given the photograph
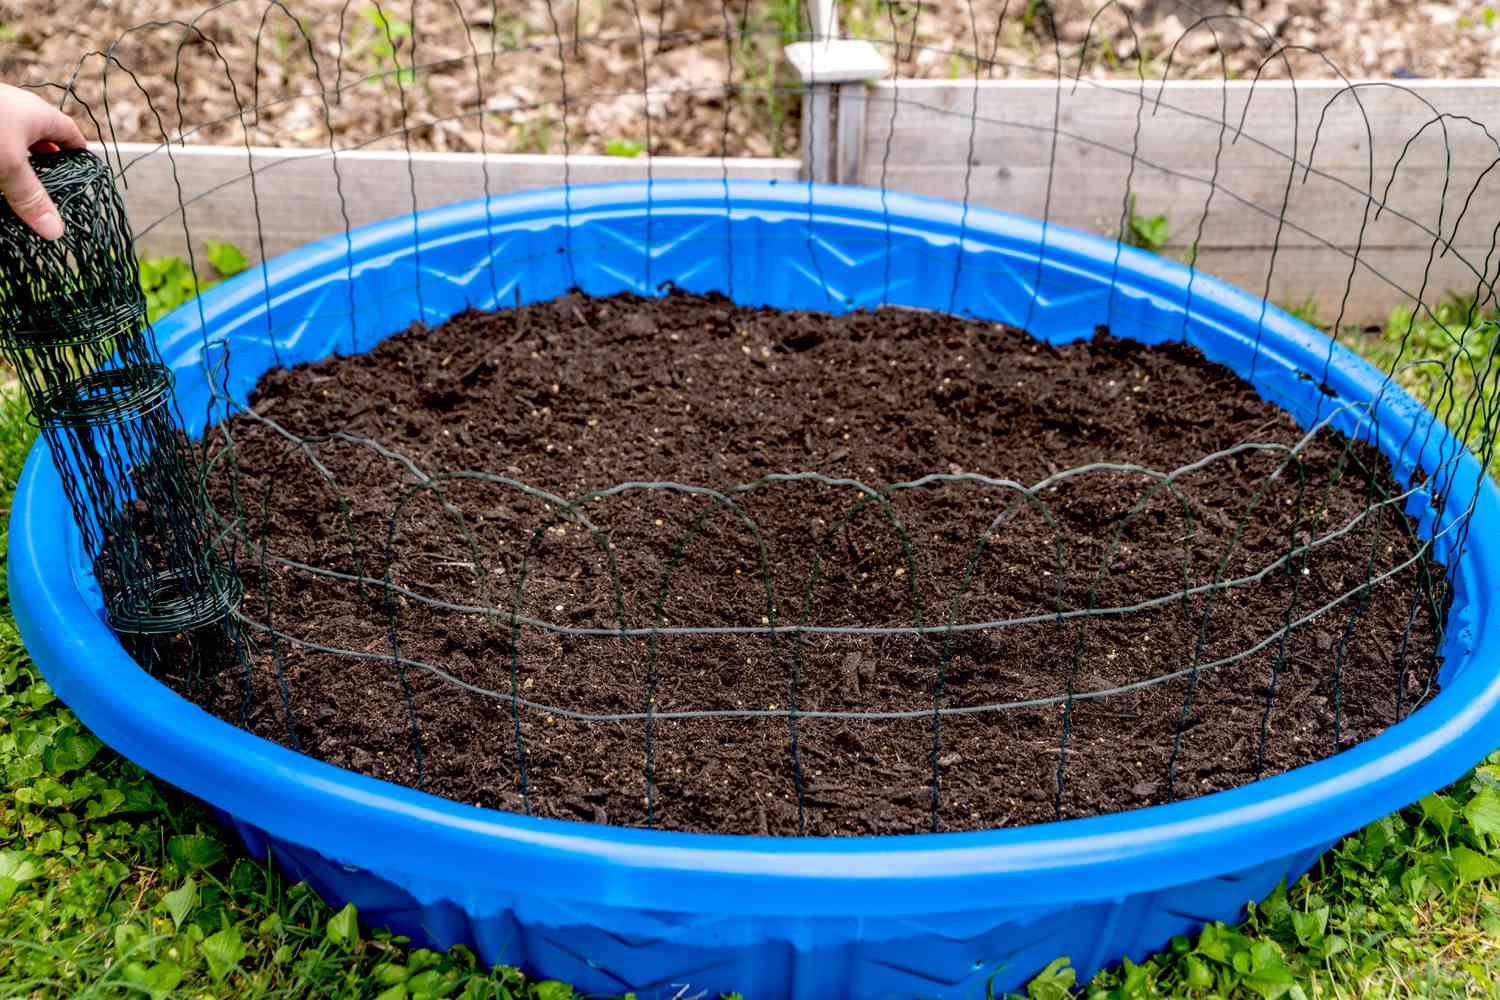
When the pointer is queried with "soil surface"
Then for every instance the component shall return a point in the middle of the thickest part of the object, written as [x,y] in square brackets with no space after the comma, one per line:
[577,395]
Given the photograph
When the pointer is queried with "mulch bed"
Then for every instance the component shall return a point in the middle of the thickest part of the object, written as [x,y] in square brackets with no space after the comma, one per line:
[687,63]
[579,394]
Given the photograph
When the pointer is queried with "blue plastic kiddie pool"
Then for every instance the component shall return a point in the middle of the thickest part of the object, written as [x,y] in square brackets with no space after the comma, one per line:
[663,913]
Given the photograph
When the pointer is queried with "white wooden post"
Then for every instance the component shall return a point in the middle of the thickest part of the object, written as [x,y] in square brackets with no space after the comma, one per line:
[850,148]
[825,20]
[835,72]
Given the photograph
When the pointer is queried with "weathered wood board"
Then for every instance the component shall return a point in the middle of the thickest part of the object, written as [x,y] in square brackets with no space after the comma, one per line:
[1322,186]
[1318,172]
[299,194]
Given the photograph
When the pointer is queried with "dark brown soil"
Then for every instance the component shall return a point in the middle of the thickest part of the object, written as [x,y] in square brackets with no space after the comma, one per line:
[580,394]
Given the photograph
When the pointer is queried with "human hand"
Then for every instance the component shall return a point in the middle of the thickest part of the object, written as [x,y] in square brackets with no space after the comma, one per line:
[29,125]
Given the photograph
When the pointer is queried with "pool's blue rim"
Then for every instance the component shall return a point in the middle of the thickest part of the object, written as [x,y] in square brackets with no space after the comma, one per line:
[423,841]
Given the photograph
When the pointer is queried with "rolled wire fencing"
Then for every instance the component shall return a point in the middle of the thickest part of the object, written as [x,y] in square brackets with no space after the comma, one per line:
[76,335]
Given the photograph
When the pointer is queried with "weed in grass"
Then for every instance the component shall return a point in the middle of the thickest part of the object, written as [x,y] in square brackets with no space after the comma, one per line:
[872,19]
[226,258]
[1486,18]
[1035,15]
[531,136]
[763,75]
[385,41]
[1459,378]
[1145,232]
[1108,54]
[1463,338]
[168,282]
[627,148]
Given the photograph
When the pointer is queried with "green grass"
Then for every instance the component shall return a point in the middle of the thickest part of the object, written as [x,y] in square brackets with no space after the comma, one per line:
[113,885]
[1464,387]
[768,84]
[1441,356]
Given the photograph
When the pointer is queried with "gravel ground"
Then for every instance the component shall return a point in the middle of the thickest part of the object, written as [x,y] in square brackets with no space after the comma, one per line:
[508,99]
[1361,38]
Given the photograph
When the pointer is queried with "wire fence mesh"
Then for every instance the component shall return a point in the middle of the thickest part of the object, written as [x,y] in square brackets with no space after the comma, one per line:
[76,336]
[445,571]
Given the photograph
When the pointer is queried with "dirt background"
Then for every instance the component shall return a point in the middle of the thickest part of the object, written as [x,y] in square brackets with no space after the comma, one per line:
[512,104]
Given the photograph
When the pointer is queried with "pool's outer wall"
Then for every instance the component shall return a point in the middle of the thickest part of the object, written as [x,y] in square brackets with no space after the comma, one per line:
[661,913]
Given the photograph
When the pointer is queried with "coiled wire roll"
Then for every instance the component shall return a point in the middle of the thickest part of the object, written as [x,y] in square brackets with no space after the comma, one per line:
[73,326]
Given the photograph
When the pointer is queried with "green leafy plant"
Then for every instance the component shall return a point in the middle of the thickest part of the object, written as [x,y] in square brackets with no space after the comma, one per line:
[389,34]
[226,258]
[168,282]
[1055,982]
[1108,53]
[1145,232]
[1032,18]
[627,148]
